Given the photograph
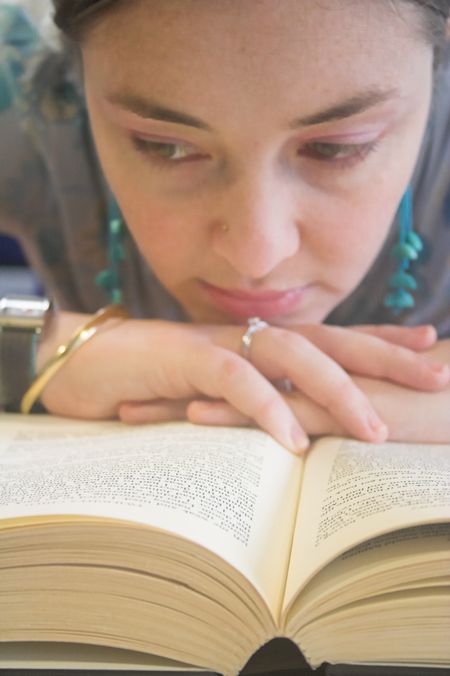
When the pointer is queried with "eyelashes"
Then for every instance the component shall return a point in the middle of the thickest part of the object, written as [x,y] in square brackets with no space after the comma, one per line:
[338,154]
[168,154]
[166,151]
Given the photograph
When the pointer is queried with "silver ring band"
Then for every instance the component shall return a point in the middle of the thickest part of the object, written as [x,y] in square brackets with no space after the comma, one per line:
[254,324]
[284,385]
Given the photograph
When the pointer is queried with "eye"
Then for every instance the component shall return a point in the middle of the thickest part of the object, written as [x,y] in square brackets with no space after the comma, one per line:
[337,153]
[166,151]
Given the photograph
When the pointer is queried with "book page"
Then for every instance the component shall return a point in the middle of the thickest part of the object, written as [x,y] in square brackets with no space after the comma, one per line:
[353,491]
[384,564]
[41,655]
[233,491]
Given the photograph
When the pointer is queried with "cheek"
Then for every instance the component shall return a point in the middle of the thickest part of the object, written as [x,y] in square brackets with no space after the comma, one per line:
[351,239]
[168,232]
[170,240]
[358,217]
[157,233]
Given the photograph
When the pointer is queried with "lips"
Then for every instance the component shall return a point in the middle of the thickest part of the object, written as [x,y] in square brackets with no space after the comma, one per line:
[244,304]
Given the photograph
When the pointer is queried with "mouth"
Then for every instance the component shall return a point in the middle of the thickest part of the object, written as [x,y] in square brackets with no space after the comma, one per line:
[265,304]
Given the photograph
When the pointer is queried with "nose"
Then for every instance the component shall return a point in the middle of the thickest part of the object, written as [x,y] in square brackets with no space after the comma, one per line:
[256,228]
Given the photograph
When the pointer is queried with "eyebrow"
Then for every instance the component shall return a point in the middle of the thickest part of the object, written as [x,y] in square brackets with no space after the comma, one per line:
[155,111]
[352,106]
[148,109]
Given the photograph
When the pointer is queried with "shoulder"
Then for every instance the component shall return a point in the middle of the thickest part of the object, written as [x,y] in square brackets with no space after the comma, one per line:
[431,187]
[435,152]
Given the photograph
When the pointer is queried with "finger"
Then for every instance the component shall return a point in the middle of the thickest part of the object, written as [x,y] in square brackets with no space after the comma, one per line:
[370,355]
[206,412]
[320,378]
[221,374]
[413,337]
[142,412]
[314,418]
[365,350]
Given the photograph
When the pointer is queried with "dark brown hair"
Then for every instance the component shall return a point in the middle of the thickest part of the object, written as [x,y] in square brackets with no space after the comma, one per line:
[75,17]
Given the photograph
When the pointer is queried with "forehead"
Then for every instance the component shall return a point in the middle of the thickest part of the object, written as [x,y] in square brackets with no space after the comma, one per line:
[203,49]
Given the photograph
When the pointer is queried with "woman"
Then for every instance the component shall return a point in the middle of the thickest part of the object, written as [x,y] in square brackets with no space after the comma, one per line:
[258,153]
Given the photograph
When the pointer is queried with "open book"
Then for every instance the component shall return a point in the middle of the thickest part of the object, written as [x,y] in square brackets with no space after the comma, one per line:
[177,544]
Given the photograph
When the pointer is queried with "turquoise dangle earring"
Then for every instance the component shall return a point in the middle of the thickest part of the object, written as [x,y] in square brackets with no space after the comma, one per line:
[109,278]
[406,250]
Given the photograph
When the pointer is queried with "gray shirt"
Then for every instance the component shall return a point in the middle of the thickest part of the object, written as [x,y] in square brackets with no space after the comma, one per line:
[53,197]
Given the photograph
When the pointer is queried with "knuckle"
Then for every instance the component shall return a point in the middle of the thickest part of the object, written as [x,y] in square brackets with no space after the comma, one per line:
[268,408]
[207,356]
[395,355]
[292,341]
[398,352]
[230,367]
[342,394]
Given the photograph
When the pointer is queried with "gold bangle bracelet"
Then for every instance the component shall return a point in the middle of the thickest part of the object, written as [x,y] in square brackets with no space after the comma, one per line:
[64,351]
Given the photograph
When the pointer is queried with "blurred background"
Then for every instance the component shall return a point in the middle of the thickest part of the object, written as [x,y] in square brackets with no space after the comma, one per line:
[15,277]
[40,10]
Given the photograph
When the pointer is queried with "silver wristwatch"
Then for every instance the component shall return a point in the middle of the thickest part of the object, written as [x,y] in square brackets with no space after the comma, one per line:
[22,319]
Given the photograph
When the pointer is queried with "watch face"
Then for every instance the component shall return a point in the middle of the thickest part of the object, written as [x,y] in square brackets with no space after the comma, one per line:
[23,312]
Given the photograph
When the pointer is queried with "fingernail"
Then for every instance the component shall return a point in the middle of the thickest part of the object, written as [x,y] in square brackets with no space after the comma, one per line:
[377,428]
[439,369]
[299,442]
[428,331]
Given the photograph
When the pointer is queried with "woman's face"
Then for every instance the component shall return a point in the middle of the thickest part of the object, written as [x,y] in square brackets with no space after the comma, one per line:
[259,148]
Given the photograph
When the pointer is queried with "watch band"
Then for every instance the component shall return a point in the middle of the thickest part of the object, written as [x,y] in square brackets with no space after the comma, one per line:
[22,320]
[17,365]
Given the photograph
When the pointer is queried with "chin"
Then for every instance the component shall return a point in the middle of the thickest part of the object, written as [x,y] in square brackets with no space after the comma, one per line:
[202,315]
[315,314]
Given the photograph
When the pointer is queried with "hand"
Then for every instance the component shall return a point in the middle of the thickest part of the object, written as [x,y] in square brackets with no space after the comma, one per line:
[411,415]
[414,416]
[148,371]
[154,361]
